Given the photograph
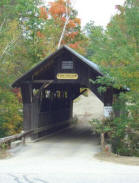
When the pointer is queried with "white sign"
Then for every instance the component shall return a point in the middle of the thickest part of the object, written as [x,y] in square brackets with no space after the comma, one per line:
[107,111]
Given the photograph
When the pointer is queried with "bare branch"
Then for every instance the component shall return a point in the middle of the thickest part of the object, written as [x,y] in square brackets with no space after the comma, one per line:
[1,26]
[8,47]
[64,28]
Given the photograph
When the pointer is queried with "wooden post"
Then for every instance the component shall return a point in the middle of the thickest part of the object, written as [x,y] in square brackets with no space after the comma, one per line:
[102,142]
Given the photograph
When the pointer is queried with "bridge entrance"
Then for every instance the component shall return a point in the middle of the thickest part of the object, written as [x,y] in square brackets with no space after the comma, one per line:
[48,90]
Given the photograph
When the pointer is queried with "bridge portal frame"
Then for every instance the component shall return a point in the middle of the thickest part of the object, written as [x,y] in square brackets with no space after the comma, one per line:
[49,89]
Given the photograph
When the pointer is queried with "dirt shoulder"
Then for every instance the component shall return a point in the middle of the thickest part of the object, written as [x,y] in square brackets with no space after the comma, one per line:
[110,157]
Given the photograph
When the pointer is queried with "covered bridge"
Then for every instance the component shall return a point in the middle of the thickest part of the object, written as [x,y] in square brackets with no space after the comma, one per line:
[48,90]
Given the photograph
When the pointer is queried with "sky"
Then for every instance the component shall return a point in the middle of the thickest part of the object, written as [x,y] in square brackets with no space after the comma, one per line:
[99,11]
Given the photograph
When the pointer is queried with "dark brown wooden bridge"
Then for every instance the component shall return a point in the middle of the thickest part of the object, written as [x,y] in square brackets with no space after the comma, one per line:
[48,90]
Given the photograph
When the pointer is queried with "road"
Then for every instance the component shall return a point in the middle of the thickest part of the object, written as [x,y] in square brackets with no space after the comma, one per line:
[67,157]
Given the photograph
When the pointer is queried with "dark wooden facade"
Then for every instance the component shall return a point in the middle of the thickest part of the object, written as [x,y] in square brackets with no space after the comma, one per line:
[48,90]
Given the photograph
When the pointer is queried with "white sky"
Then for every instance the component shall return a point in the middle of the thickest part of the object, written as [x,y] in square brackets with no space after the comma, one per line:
[99,11]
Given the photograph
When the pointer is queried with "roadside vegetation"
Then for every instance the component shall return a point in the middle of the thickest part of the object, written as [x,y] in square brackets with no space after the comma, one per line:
[116,50]
[31,30]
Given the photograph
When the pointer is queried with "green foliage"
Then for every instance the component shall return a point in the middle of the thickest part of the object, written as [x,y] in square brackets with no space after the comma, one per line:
[116,50]
[121,131]
[101,126]
[3,146]
[11,33]
[10,109]
[29,31]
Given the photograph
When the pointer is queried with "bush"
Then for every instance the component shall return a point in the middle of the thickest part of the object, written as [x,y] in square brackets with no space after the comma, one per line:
[10,113]
[122,131]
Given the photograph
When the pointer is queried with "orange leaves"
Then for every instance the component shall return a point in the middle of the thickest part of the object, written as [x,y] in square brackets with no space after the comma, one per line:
[43,13]
[71,24]
[63,19]
[74,23]
[79,46]
[17,93]
[72,35]
[57,9]
[74,45]
[40,35]
[56,14]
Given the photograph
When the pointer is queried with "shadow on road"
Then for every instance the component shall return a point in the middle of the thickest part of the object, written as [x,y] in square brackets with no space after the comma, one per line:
[77,133]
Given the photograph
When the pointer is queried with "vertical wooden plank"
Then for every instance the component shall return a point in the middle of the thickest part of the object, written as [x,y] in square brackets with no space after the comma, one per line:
[35,111]
[26,91]
[108,97]
[94,89]
[27,117]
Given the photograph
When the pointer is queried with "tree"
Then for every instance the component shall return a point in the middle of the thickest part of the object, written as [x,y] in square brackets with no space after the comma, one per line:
[62,26]
[11,36]
[43,31]
[116,50]
[30,31]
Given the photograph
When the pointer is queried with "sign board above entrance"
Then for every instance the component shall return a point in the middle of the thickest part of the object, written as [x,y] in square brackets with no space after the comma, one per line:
[67,76]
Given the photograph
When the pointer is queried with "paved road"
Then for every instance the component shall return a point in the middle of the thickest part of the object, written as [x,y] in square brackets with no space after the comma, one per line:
[64,158]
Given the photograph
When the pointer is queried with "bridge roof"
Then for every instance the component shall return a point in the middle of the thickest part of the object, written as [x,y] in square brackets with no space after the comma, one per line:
[81,58]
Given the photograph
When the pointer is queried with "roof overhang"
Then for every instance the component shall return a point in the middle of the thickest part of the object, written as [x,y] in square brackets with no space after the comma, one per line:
[28,74]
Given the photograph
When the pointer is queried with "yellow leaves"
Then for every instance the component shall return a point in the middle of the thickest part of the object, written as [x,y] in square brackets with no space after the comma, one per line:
[12,29]
[8,37]
[133,75]
[71,24]
[10,111]
[77,21]
[13,123]
[136,74]
[74,23]
[13,25]
[127,74]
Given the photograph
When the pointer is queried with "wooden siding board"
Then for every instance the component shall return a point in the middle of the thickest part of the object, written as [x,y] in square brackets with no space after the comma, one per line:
[27,116]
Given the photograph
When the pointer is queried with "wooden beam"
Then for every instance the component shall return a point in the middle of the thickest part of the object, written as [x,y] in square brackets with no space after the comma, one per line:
[94,89]
[37,81]
[15,137]
[80,94]
[45,85]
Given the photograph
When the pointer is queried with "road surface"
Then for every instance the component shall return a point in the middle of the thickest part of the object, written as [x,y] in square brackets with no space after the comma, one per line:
[67,157]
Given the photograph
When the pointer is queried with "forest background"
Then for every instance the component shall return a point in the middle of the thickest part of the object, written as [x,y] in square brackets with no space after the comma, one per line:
[30,31]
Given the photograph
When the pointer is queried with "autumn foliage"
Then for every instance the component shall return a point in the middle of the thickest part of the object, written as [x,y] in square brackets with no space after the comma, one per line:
[55,17]
[40,35]
[43,12]
[17,93]
[29,32]
[57,8]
